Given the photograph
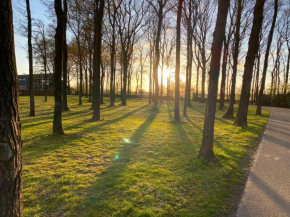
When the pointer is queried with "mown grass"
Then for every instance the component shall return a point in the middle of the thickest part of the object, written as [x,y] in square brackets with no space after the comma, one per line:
[132,163]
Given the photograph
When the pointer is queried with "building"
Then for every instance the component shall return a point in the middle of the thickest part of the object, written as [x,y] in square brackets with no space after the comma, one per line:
[38,82]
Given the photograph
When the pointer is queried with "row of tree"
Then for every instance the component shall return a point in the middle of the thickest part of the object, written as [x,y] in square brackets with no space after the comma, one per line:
[117,26]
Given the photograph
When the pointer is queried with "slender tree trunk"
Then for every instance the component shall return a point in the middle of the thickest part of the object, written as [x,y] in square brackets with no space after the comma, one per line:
[197,80]
[57,120]
[223,80]
[81,73]
[11,204]
[241,119]
[125,69]
[287,72]
[65,59]
[230,111]
[150,76]
[102,83]
[31,85]
[157,56]
[257,78]
[86,75]
[188,64]
[206,150]
[203,71]
[264,74]
[177,69]
[112,92]
[90,76]
[98,20]
[45,72]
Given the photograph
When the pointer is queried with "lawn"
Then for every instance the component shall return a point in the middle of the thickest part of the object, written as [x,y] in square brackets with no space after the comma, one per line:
[134,162]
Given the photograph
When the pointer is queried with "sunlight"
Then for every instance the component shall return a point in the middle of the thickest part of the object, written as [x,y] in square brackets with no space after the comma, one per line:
[166,73]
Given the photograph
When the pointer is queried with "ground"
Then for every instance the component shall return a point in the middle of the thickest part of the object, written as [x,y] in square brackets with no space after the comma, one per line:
[134,162]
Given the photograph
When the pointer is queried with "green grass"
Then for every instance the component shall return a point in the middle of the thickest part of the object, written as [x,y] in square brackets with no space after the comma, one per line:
[132,163]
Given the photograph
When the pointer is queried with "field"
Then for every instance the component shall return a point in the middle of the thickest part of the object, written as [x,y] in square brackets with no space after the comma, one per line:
[134,162]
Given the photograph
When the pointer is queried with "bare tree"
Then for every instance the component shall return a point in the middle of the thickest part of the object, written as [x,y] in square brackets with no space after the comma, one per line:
[241,119]
[177,67]
[30,58]
[206,150]
[263,81]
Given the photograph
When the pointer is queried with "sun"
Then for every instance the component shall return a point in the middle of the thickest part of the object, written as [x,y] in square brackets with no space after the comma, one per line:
[166,73]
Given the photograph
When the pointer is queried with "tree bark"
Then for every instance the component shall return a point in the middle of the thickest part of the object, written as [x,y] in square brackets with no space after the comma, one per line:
[30,58]
[206,150]
[177,69]
[98,18]
[11,204]
[65,58]
[241,119]
[264,74]
[57,120]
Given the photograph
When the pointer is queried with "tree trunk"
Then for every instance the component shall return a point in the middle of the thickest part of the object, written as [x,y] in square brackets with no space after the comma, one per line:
[65,58]
[102,83]
[223,80]
[11,204]
[98,20]
[30,58]
[81,73]
[230,111]
[177,69]
[206,150]
[264,74]
[57,120]
[157,56]
[125,69]
[90,76]
[112,92]
[287,72]
[241,119]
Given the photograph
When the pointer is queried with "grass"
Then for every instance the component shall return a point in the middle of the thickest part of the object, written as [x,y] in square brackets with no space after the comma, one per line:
[132,163]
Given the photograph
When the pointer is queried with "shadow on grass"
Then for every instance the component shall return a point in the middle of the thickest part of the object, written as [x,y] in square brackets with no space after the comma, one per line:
[53,142]
[110,180]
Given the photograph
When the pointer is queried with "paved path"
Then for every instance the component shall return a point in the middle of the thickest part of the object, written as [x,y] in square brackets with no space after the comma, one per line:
[267,191]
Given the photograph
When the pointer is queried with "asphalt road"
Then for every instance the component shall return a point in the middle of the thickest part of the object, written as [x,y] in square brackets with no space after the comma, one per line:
[267,191]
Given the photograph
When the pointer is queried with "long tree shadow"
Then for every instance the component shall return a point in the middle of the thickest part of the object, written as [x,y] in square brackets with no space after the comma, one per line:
[110,180]
[45,141]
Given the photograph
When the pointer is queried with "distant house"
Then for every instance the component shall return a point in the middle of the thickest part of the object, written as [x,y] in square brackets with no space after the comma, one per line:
[38,81]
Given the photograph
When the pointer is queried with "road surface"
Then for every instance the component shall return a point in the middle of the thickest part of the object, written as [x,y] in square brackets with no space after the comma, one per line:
[267,191]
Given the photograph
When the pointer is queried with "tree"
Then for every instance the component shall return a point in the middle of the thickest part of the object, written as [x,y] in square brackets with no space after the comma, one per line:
[10,134]
[227,40]
[177,67]
[203,28]
[160,14]
[30,58]
[57,119]
[189,54]
[41,50]
[263,81]
[206,150]
[241,119]
[230,111]
[65,59]
[98,18]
